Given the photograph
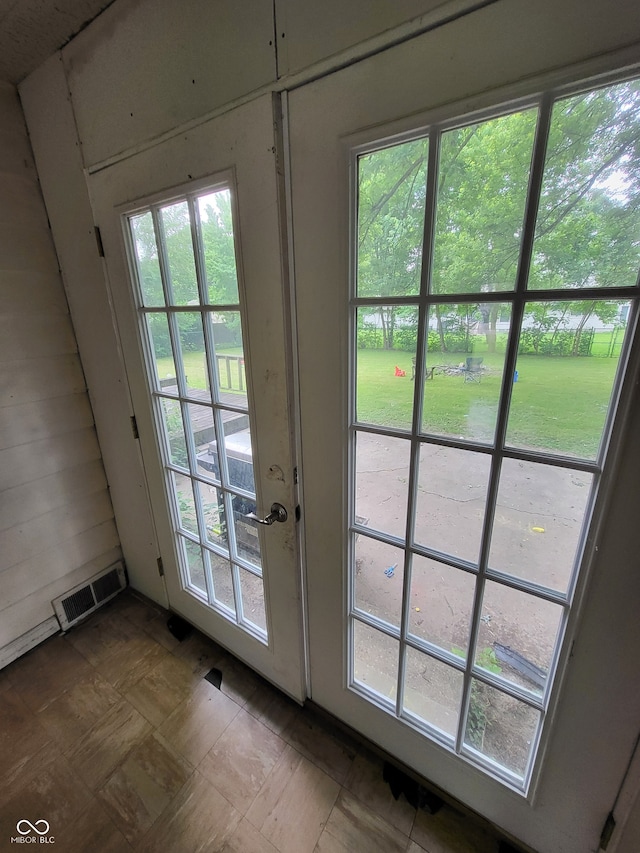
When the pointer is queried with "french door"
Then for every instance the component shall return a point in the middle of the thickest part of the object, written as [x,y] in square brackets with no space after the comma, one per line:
[456,279]
[192,240]
[454,464]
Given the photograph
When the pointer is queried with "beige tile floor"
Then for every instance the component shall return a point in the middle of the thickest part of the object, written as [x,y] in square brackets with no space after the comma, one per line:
[112,735]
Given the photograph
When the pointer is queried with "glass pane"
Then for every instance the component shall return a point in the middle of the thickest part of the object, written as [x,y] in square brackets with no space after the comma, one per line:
[517,636]
[146,250]
[252,590]
[188,518]
[379,578]
[194,358]
[589,218]
[214,515]
[391,203]
[568,356]
[501,727]
[204,437]
[466,347]
[233,422]
[386,355]
[247,539]
[194,564]
[375,660]
[539,515]
[452,491]
[382,478]
[165,368]
[240,460]
[222,582]
[432,691]
[216,223]
[182,269]
[441,604]
[172,416]
[226,328]
[483,177]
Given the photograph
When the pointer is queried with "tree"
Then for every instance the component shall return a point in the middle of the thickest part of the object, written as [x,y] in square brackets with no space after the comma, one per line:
[216,223]
[391,201]
[588,222]
[482,188]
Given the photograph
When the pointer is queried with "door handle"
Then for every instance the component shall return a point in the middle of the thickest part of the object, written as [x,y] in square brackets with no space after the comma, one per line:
[278,513]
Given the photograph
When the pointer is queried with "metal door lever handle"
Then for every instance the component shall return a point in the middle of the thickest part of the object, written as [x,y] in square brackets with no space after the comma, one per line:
[278,513]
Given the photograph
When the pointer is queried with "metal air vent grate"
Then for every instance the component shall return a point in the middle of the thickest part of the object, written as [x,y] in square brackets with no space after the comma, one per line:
[106,586]
[77,603]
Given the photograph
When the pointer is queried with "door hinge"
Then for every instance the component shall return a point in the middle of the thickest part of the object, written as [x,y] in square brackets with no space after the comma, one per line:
[99,241]
[607,831]
[160,567]
[134,427]
[295,476]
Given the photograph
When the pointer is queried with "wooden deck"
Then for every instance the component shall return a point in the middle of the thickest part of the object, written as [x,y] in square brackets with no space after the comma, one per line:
[202,428]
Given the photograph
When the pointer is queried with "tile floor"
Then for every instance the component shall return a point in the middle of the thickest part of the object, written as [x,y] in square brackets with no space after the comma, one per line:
[112,735]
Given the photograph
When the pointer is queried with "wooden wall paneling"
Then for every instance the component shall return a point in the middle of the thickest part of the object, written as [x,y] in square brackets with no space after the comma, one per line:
[92,549]
[26,501]
[55,509]
[14,142]
[36,608]
[22,203]
[41,534]
[22,250]
[32,380]
[21,290]
[37,334]
[29,422]
[53,134]
[27,462]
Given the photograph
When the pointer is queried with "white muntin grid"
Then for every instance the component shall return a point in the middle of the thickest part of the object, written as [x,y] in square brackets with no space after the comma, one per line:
[497,451]
[181,398]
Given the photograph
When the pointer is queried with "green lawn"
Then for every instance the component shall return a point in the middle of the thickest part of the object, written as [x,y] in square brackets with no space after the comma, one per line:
[194,367]
[558,404]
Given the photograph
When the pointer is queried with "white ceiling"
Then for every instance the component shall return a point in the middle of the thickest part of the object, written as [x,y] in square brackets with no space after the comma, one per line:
[31,30]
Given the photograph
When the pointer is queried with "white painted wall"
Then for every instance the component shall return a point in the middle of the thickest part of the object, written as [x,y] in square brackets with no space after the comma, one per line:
[56,519]
[145,66]
[55,143]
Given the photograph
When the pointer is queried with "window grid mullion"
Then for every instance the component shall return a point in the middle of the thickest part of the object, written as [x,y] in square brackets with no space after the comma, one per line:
[418,400]
[517,312]
[160,309]
[208,575]
[165,276]
[163,258]
[539,295]
[210,351]
[198,249]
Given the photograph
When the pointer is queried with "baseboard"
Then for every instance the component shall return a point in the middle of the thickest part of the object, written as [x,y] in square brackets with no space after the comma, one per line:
[15,649]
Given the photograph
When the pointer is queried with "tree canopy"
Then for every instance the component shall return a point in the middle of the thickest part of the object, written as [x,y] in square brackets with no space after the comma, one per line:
[587,230]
